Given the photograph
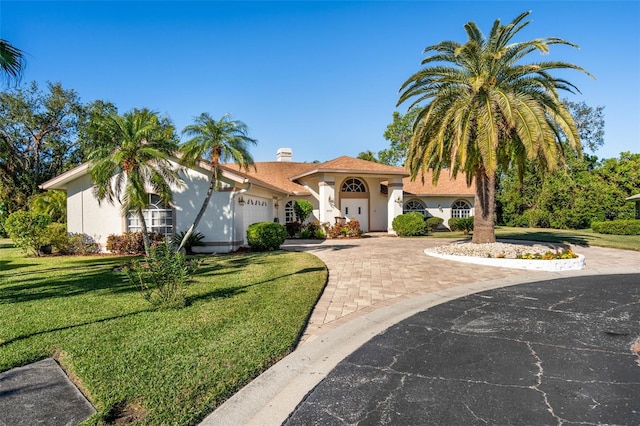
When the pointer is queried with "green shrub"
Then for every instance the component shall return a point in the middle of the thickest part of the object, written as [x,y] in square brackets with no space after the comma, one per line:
[433,222]
[266,236]
[56,235]
[82,244]
[131,242]
[617,227]
[293,228]
[27,230]
[464,224]
[4,213]
[319,234]
[303,210]
[163,275]
[409,224]
[194,240]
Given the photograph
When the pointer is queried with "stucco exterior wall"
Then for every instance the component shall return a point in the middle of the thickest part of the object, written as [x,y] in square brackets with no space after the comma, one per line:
[86,216]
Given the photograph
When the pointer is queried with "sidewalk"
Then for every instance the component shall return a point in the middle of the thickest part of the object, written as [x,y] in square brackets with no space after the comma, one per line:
[375,283]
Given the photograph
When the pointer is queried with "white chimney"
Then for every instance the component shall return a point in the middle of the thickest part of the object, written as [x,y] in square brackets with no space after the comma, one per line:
[284,154]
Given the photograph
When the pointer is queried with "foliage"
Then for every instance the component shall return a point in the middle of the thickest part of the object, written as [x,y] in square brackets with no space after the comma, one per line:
[589,122]
[549,255]
[56,235]
[51,203]
[302,209]
[350,229]
[293,228]
[482,109]
[399,134]
[215,142]
[464,224]
[368,156]
[163,275]
[432,223]
[617,227]
[131,242]
[4,213]
[585,190]
[27,230]
[133,160]
[11,60]
[266,236]
[177,365]
[82,244]
[193,240]
[38,138]
[410,224]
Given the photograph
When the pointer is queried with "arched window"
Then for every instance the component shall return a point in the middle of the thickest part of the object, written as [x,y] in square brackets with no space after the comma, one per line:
[289,213]
[414,206]
[353,185]
[460,208]
[157,215]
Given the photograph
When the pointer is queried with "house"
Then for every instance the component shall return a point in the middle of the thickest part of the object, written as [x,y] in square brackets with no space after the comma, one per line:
[346,187]
[636,199]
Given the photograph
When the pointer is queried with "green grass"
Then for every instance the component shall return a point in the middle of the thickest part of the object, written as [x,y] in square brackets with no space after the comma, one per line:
[583,237]
[244,313]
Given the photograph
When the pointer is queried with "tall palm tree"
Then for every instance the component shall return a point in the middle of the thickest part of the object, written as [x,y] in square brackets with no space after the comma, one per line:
[11,59]
[482,108]
[132,160]
[215,142]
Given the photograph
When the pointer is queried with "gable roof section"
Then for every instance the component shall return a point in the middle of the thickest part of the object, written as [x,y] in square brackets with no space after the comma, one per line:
[447,186]
[275,175]
[352,165]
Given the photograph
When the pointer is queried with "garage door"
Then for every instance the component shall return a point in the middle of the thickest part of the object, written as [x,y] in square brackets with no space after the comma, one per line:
[255,209]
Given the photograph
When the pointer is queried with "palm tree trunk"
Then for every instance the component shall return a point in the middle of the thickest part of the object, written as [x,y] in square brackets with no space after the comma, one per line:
[145,235]
[485,208]
[203,208]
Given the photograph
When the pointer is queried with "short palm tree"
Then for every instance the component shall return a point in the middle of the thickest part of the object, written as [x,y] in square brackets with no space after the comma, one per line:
[11,60]
[482,108]
[51,203]
[133,160]
[215,142]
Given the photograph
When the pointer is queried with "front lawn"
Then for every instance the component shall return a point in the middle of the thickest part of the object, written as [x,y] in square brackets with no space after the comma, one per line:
[584,237]
[244,313]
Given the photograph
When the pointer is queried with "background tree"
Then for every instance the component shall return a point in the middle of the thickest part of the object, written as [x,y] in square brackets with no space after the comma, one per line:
[398,132]
[12,61]
[215,142]
[487,109]
[368,156]
[38,131]
[133,160]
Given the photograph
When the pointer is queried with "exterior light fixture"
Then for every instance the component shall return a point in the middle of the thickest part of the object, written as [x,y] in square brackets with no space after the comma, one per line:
[241,201]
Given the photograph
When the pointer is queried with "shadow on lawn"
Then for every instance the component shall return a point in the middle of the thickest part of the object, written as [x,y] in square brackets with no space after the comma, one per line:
[37,285]
[546,236]
[72,326]
[223,293]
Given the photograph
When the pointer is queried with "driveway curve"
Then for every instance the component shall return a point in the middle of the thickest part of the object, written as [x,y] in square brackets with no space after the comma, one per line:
[375,283]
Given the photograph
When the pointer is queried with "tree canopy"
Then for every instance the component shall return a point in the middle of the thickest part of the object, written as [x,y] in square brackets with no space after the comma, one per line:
[482,108]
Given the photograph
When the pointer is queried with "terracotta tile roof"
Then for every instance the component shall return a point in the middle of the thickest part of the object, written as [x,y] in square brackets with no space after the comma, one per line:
[281,176]
[353,165]
[446,185]
[275,174]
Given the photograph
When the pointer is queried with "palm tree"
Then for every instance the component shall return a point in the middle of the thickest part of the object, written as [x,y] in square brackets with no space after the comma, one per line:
[11,59]
[133,160]
[51,203]
[214,141]
[485,109]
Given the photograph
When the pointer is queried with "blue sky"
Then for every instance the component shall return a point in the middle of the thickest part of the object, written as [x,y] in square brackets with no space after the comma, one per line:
[319,77]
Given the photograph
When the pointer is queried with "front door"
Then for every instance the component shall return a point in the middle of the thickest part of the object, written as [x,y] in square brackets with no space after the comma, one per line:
[357,209]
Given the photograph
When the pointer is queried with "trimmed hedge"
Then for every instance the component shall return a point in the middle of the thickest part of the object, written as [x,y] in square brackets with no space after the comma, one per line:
[266,236]
[617,227]
[131,242]
[410,225]
[433,223]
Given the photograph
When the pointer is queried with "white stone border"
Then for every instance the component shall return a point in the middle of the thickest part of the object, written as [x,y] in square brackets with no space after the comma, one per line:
[532,264]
